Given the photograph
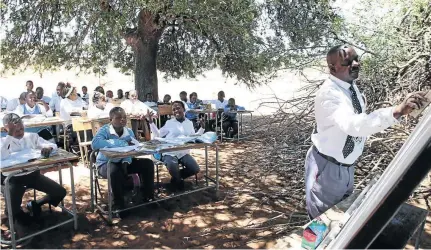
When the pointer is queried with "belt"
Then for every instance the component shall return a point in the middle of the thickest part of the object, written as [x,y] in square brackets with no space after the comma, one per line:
[332,159]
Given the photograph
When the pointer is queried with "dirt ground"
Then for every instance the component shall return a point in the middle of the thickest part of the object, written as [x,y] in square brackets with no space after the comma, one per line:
[255,207]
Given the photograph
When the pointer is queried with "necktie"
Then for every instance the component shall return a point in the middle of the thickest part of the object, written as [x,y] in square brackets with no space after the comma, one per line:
[350,144]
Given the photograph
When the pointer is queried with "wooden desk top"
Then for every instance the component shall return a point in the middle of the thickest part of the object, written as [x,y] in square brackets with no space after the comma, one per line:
[49,121]
[134,153]
[62,157]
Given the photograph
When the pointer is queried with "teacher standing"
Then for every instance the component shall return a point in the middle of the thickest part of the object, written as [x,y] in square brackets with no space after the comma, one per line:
[342,128]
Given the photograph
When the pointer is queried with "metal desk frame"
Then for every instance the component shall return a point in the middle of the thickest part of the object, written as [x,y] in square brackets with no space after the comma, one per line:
[240,127]
[113,156]
[7,194]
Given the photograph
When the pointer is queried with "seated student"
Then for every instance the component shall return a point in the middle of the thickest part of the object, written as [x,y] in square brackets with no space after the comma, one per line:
[221,102]
[100,89]
[167,99]
[33,108]
[71,104]
[134,106]
[14,103]
[183,98]
[3,103]
[116,134]
[109,96]
[85,96]
[177,126]
[29,85]
[120,96]
[229,119]
[40,97]
[194,103]
[149,101]
[15,141]
[126,95]
[55,102]
[100,108]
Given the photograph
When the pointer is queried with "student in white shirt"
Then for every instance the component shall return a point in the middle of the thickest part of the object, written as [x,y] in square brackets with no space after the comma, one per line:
[85,96]
[342,127]
[71,104]
[18,140]
[41,97]
[177,126]
[183,98]
[33,108]
[3,103]
[134,106]
[109,96]
[55,102]
[120,96]
[100,108]
[13,103]
[29,85]
[221,102]
[149,101]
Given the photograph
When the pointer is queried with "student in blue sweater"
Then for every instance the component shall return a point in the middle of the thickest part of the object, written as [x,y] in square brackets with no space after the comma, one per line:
[229,119]
[116,134]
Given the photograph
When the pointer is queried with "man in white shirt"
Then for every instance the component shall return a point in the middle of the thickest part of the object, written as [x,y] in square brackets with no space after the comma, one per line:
[342,127]
[15,141]
[14,103]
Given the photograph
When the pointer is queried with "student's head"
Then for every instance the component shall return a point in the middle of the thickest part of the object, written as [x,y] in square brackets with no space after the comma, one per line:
[193,97]
[126,95]
[220,96]
[22,98]
[120,94]
[99,100]
[70,93]
[343,63]
[30,99]
[84,90]
[183,96]
[60,87]
[109,94]
[29,85]
[231,102]
[100,89]
[133,95]
[39,93]
[178,109]
[118,117]
[149,97]
[13,125]
[166,98]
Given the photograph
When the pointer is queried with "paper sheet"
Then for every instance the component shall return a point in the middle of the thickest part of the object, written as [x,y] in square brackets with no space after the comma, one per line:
[21,157]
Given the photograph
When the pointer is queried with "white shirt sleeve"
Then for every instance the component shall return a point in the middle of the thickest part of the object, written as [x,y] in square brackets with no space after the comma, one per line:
[159,133]
[42,143]
[11,105]
[4,143]
[19,110]
[330,105]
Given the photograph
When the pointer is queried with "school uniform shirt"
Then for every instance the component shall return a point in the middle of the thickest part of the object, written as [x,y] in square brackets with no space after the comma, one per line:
[3,102]
[186,106]
[151,104]
[95,112]
[192,115]
[12,104]
[38,109]
[136,107]
[106,137]
[46,99]
[10,144]
[86,98]
[341,129]
[68,106]
[172,129]
[232,116]
[219,104]
[55,103]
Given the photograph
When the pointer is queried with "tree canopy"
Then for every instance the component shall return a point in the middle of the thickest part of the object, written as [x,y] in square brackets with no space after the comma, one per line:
[246,39]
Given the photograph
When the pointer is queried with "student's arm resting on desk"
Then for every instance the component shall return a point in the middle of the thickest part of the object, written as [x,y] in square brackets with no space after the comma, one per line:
[330,105]
[102,140]
[41,143]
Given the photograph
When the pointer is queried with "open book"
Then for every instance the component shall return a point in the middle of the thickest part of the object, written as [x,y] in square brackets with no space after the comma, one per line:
[208,137]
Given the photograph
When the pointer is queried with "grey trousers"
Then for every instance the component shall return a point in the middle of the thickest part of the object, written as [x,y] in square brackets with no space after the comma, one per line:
[326,183]
[190,165]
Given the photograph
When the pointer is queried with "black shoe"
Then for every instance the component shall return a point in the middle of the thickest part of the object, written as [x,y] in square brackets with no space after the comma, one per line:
[119,214]
[34,209]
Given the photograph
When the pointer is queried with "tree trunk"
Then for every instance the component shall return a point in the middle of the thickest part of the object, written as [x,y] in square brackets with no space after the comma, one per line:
[145,68]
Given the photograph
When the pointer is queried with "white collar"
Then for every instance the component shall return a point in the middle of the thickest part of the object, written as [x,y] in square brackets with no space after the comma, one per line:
[30,108]
[112,131]
[341,83]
